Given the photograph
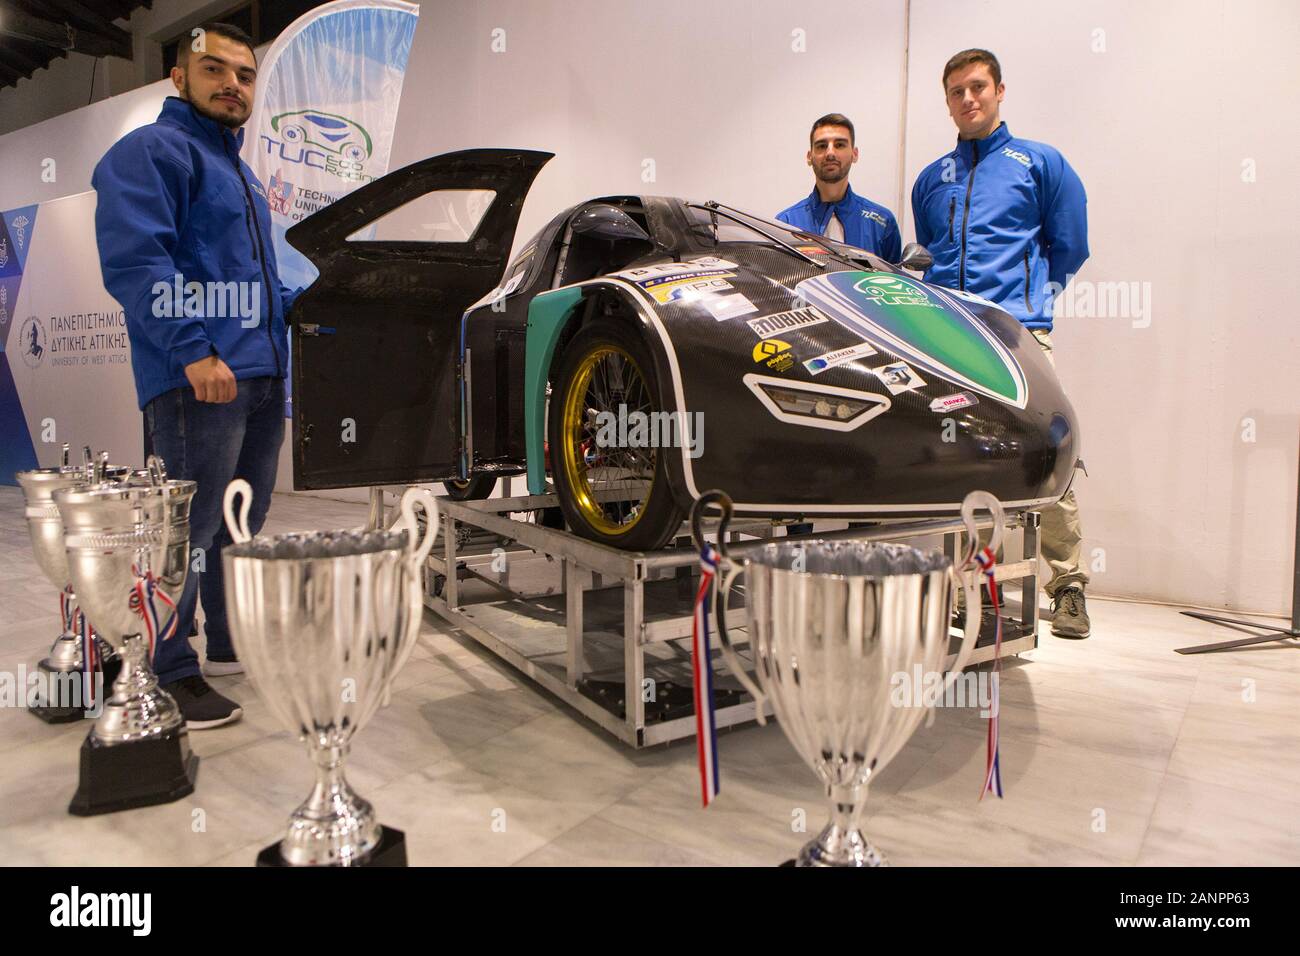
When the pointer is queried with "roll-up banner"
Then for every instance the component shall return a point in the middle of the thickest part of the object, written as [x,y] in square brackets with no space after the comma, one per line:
[325,111]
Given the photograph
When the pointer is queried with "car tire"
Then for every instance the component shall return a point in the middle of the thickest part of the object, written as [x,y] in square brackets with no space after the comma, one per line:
[648,522]
[475,488]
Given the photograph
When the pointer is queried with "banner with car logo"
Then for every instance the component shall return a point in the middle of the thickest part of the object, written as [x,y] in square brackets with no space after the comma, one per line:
[326,106]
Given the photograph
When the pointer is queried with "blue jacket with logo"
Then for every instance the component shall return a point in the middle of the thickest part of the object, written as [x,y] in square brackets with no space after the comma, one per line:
[174,200]
[867,225]
[1003,218]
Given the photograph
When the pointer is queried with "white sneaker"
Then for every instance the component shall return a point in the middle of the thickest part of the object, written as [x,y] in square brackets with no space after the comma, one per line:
[222,668]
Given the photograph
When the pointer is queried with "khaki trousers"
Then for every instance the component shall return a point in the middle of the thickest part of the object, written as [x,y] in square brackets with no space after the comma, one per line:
[1060,534]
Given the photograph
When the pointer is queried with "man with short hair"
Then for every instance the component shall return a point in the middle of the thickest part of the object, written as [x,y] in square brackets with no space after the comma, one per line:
[1007,219]
[833,209]
[184,234]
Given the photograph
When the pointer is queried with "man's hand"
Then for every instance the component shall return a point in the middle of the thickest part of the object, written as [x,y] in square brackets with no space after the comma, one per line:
[212,380]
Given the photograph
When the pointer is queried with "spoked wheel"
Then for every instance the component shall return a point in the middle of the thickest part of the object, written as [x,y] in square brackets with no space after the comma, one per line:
[612,485]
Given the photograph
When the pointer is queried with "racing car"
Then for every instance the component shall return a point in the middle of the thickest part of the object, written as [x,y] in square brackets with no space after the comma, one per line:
[642,349]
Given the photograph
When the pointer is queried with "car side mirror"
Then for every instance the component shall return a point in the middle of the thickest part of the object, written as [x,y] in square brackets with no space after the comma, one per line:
[607,222]
[916,257]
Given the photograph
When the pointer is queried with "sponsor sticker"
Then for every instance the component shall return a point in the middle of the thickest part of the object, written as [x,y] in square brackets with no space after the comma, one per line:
[898,377]
[643,274]
[775,354]
[951,402]
[723,307]
[887,289]
[831,359]
[665,289]
[778,322]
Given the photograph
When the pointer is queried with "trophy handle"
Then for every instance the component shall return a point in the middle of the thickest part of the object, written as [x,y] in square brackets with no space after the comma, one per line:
[968,577]
[722,588]
[418,552]
[238,529]
[721,598]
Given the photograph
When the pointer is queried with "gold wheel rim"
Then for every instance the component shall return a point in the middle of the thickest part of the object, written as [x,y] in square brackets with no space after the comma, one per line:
[606,378]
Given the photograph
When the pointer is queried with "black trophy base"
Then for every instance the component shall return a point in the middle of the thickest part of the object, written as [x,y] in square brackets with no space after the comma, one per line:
[70,699]
[137,774]
[391,851]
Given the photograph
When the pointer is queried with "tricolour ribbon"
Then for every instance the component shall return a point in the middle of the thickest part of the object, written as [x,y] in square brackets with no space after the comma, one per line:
[145,596]
[706,733]
[993,766]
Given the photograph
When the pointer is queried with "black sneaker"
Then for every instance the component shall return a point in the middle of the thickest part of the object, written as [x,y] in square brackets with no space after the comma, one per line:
[201,706]
[1070,614]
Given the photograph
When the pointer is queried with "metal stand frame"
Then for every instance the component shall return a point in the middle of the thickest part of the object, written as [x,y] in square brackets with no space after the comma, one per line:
[553,648]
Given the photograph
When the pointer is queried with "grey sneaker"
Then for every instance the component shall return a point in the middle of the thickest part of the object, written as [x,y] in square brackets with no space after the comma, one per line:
[1070,614]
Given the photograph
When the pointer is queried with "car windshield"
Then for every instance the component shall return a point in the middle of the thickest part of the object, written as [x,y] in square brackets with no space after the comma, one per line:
[717,223]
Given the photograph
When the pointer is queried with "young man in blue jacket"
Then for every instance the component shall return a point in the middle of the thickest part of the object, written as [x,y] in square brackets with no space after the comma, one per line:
[1007,219]
[184,235]
[833,209]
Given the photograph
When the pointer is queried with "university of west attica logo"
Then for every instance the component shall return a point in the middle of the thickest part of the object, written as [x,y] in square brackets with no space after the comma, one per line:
[31,341]
[20,224]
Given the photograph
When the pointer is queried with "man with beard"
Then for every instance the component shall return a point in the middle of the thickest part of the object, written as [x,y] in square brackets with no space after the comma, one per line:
[833,209]
[184,235]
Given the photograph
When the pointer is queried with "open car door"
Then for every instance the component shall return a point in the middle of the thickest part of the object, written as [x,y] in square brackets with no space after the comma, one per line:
[376,342]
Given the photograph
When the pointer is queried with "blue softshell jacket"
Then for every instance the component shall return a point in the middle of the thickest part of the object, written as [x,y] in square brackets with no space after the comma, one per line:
[174,200]
[1003,217]
[867,225]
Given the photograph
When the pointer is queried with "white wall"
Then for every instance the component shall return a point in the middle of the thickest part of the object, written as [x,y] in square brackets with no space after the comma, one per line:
[713,93]
[1157,126]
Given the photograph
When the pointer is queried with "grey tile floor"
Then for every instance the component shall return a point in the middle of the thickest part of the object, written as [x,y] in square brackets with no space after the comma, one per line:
[1115,751]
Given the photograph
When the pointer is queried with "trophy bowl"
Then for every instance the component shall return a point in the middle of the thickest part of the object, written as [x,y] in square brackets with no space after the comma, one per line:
[67,657]
[831,624]
[323,622]
[127,548]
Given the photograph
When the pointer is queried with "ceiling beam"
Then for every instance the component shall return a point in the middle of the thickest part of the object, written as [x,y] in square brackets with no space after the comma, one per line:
[63,36]
[25,56]
[8,75]
[81,17]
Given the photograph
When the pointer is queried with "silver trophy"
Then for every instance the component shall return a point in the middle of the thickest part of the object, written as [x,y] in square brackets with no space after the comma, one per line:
[322,623]
[127,546]
[830,625]
[64,670]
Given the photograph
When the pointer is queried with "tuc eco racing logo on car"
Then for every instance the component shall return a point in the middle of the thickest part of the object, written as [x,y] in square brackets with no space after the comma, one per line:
[326,141]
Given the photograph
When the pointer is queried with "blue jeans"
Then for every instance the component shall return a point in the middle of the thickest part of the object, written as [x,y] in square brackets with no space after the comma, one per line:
[212,444]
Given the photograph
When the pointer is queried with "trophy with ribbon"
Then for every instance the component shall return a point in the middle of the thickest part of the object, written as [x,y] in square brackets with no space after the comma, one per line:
[79,662]
[322,623]
[830,624]
[127,548]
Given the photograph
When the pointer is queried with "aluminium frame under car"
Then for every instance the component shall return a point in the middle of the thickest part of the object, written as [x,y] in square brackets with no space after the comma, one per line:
[657,590]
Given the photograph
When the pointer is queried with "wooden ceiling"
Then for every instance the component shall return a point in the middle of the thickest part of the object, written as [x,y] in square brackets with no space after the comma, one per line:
[34,32]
